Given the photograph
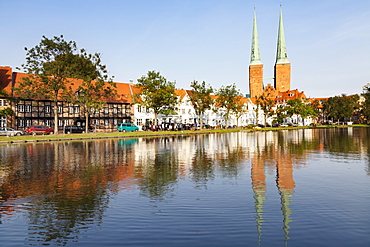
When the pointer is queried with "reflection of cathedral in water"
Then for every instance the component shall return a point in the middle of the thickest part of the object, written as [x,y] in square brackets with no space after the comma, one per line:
[278,158]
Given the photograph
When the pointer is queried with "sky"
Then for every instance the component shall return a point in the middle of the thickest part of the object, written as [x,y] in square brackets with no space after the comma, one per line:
[328,41]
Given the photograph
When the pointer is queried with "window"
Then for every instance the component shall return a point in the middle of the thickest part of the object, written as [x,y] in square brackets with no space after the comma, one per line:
[106,122]
[28,122]
[3,102]
[60,123]
[28,108]
[105,110]
[139,108]
[115,110]
[70,109]
[47,122]
[21,108]
[3,121]
[77,109]
[47,109]
[115,121]
[139,122]
[147,110]
[60,109]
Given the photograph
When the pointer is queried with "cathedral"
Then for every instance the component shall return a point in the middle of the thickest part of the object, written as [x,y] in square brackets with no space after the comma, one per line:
[281,87]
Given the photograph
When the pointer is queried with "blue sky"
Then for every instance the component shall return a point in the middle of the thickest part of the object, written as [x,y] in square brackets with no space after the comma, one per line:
[328,41]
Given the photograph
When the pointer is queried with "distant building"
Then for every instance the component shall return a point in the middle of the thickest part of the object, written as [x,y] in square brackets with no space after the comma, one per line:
[282,67]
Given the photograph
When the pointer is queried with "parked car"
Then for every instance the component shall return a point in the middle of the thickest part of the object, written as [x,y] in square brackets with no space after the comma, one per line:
[74,129]
[123,127]
[39,130]
[5,131]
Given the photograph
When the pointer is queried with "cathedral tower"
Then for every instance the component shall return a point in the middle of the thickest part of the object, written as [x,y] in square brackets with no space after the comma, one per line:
[282,65]
[256,66]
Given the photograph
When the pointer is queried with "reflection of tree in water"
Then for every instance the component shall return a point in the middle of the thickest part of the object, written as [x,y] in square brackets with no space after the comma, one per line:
[340,141]
[364,134]
[65,185]
[299,147]
[59,217]
[160,173]
[229,161]
[202,165]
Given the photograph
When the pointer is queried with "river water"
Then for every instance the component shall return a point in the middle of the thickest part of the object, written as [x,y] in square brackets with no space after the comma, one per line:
[277,188]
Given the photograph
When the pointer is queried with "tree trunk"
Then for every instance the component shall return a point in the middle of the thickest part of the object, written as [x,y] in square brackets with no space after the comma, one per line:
[87,121]
[155,118]
[201,121]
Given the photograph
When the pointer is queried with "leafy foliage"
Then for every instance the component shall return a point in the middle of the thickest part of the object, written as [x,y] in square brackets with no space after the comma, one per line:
[201,99]
[365,111]
[304,109]
[52,63]
[6,112]
[266,104]
[341,107]
[96,87]
[156,93]
[48,73]
[228,98]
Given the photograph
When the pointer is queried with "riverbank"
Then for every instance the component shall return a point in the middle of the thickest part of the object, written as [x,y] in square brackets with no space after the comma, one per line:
[119,135]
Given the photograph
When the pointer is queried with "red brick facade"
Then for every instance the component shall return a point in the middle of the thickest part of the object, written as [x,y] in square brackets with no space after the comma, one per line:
[282,77]
[255,80]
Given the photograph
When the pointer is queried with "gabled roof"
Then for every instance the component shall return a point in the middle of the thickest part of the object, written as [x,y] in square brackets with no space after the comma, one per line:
[10,80]
[181,93]
[290,95]
[6,79]
[124,93]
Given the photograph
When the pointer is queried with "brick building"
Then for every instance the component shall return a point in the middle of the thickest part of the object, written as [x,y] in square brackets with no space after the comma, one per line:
[29,112]
[282,70]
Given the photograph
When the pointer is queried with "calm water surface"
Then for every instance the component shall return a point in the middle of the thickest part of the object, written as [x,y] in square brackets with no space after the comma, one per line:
[282,188]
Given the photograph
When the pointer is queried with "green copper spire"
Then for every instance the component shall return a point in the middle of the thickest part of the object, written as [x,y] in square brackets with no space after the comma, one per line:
[255,54]
[281,55]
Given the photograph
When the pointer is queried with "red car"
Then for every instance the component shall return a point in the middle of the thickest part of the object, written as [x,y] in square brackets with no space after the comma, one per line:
[39,130]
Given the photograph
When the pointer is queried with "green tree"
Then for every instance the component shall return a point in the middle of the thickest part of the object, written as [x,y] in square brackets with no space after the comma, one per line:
[201,99]
[365,111]
[156,93]
[280,113]
[48,74]
[299,107]
[95,87]
[6,112]
[341,107]
[239,110]
[266,104]
[228,99]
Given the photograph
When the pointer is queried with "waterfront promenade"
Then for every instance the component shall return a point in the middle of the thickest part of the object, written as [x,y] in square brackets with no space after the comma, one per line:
[141,134]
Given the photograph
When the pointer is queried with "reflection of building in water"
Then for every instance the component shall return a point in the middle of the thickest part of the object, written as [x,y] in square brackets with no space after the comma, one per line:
[286,185]
[269,155]
[73,169]
[259,189]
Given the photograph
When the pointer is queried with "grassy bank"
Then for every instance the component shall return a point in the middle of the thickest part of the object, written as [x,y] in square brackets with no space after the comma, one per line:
[105,135]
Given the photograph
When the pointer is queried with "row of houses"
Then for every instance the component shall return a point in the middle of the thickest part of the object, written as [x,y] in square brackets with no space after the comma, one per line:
[120,109]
